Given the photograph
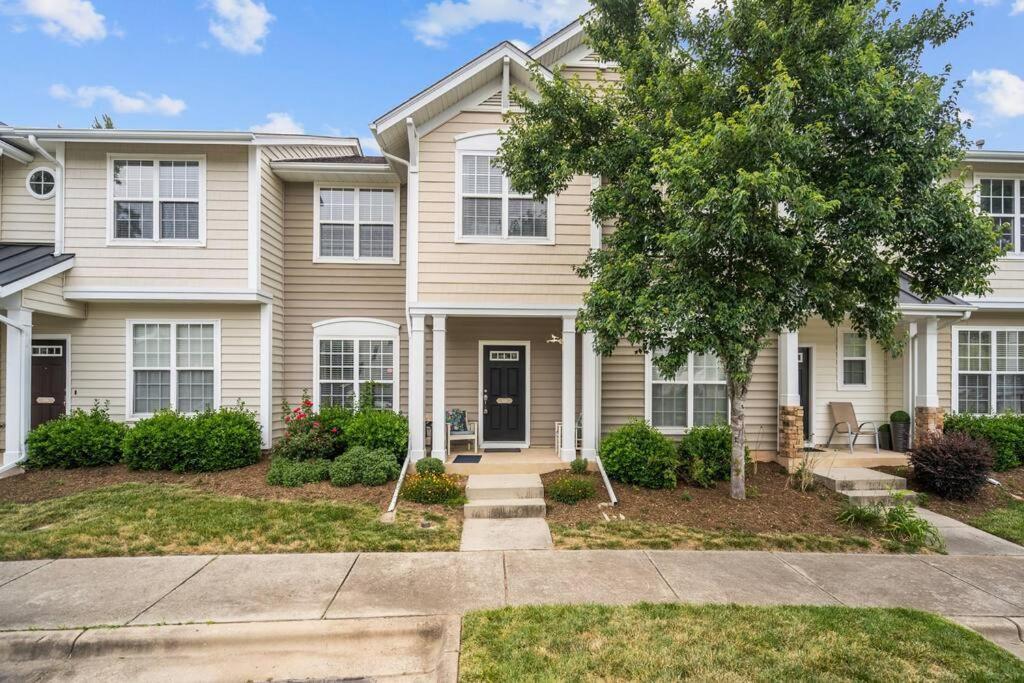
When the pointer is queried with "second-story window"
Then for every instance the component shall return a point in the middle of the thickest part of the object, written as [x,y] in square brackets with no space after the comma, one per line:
[157,199]
[355,225]
[1001,199]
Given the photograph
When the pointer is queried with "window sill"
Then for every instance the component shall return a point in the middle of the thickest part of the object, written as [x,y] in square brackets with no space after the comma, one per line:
[1012,256]
[853,387]
[547,242]
[190,244]
[352,261]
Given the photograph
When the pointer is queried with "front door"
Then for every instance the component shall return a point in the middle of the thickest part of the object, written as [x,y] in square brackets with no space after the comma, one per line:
[49,379]
[804,381]
[504,399]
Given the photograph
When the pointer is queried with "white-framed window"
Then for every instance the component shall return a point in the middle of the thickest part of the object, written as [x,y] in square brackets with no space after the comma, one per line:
[156,200]
[854,366]
[41,182]
[696,395]
[999,197]
[172,364]
[988,370]
[487,208]
[352,354]
[355,224]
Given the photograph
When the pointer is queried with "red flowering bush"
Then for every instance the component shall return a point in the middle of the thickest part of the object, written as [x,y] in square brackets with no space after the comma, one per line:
[310,433]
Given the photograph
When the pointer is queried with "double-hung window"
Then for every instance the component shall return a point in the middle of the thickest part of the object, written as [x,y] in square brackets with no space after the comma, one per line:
[172,365]
[989,370]
[1000,198]
[156,199]
[347,368]
[356,225]
[696,395]
[854,366]
[488,209]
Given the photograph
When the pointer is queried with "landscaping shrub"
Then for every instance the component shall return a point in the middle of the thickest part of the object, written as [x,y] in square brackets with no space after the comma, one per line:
[222,440]
[706,454]
[160,442]
[953,465]
[432,489]
[288,472]
[311,434]
[637,453]
[578,466]
[1004,433]
[571,490]
[370,467]
[374,429]
[429,466]
[81,439]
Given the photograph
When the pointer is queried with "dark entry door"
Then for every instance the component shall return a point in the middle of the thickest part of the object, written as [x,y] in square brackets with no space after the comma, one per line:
[804,380]
[49,379]
[504,397]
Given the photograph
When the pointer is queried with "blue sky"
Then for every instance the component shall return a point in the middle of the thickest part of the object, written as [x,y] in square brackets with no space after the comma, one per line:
[332,67]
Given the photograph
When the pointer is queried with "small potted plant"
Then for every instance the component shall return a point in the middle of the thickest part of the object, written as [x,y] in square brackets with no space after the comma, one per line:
[899,424]
[885,437]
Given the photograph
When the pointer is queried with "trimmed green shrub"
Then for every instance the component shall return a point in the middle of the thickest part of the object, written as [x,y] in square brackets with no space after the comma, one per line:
[900,417]
[578,466]
[1004,433]
[222,440]
[706,455]
[287,472]
[571,490]
[160,442]
[431,489]
[953,465]
[429,466]
[370,467]
[81,439]
[344,470]
[637,453]
[373,429]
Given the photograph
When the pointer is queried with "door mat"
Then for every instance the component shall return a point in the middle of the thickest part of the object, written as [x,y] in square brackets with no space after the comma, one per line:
[467,458]
[502,450]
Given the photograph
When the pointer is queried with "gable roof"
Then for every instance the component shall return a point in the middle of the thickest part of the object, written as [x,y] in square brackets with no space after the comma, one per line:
[22,265]
[559,44]
[907,298]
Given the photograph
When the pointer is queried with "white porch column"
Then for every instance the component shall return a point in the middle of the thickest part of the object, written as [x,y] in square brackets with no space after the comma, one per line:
[438,444]
[568,445]
[927,358]
[789,369]
[18,378]
[589,380]
[416,389]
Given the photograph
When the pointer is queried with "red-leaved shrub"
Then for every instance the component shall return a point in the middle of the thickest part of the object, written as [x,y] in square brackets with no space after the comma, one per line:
[952,465]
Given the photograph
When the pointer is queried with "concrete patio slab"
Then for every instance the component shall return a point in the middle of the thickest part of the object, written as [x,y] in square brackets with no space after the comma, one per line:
[506,534]
[1000,576]
[895,581]
[91,592]
[1000,630]
[9,571]
[251,587]
[397,584]
[537,577]
[749,578]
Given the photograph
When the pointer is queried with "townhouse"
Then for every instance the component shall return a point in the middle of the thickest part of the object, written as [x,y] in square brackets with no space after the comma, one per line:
[185,269]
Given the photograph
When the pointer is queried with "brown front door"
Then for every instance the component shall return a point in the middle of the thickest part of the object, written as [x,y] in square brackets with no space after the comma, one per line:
[49,379]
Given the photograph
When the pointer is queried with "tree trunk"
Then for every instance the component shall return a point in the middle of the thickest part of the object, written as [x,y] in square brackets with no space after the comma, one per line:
[738,398]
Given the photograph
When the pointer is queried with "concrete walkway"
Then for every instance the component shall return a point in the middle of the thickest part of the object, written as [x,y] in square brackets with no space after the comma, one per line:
[964,539]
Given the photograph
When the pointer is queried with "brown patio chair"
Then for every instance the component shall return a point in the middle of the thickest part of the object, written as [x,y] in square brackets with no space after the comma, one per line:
[844,421]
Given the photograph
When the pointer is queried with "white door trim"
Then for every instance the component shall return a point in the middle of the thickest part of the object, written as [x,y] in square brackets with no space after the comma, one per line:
[525,443]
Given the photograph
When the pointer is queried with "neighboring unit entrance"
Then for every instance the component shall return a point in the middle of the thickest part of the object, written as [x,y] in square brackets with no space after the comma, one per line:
[49,379]
[804,381]
[504,394]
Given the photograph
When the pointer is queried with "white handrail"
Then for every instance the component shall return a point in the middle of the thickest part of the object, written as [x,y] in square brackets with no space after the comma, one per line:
[607,483]
[398,486]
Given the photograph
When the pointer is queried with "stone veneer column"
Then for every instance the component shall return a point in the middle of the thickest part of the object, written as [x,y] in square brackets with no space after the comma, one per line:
[927,421]
[791,413]
[791,432]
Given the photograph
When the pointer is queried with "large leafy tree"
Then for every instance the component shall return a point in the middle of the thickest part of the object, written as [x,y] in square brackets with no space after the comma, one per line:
[763,162]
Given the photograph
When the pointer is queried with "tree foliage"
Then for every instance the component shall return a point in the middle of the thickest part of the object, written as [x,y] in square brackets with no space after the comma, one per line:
[763,162]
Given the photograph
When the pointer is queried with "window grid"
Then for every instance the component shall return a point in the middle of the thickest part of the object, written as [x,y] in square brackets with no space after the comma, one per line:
[1000,198]
[173,365]
[41,183]
[489,207]
[696,395]
[346,365]
[164,190]
[990,371]
[356,223]
[854,354]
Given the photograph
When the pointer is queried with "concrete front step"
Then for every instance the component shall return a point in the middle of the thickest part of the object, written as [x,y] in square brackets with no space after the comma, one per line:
[505,508]
[503,486]
[865,498]
[857,479]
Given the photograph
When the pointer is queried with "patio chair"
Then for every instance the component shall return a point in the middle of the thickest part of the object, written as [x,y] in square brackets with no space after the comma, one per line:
[458,429]
[844,421]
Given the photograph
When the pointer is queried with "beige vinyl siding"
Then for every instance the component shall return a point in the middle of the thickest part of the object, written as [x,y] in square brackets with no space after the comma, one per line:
[23,218]
[322,291]
[48,297]
[762,406]
[504,272]
[982,319]
[221,264]
[1008,279]
[98,360]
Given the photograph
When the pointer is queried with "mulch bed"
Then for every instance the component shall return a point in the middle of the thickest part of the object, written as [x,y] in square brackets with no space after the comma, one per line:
[990,498]
[772,505]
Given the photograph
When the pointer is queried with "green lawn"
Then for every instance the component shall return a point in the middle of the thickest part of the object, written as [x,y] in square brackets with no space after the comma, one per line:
[157,519]
[1006,522]
[724,642]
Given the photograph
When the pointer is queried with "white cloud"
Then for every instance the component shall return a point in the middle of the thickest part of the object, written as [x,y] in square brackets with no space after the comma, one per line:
[1000,90]
[120,103]
[279,122]
[369,144]
[442,20]
[965,116]
[241,25]
[524,46]
[74,21]
[1018,7]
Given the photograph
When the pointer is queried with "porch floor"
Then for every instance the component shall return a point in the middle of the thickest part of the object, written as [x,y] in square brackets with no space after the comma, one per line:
[864,455]
[534,460]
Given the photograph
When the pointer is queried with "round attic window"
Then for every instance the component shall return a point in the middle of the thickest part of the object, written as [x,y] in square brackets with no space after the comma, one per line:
[41,183]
